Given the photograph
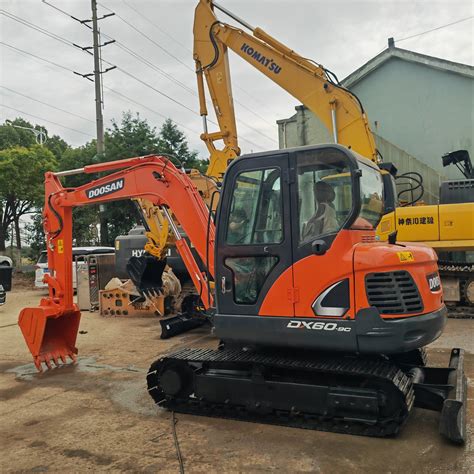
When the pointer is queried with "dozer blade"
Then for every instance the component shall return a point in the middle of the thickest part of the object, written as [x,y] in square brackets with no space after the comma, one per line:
[452,423]
[171,327]
[444,389]
[146,273]
[50,333]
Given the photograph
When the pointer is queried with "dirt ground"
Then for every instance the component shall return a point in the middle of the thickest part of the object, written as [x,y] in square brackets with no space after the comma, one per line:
[97,415]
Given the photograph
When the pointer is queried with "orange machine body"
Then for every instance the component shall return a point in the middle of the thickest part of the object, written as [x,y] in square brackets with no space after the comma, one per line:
[357,257]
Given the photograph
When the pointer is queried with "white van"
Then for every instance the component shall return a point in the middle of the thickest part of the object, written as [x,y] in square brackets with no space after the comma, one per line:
[77,253]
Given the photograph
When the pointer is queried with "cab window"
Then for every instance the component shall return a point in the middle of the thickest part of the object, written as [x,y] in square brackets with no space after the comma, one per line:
[324,193]
[256,209]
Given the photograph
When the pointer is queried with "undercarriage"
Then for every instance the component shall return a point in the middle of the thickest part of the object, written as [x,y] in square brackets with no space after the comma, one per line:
[361,395]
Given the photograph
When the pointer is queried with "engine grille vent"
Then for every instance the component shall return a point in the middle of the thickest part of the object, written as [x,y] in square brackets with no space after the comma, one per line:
[393,292]
[368,238]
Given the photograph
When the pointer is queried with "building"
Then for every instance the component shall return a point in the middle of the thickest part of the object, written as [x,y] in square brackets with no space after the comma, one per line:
[419,108]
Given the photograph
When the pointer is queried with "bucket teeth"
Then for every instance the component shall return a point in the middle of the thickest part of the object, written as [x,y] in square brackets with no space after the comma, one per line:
[59,358]
[38,365]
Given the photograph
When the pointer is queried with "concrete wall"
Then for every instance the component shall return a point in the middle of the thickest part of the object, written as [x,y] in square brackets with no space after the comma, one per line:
[424,111]
[304,128]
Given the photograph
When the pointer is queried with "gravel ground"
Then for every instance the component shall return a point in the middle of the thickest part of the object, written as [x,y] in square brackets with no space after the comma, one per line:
[97,415]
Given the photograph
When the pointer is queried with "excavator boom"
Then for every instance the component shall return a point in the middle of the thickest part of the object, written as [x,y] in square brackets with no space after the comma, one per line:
[315,86]
[50,329]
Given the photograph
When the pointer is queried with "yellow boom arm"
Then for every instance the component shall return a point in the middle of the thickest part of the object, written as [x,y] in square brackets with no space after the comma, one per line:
[339,109]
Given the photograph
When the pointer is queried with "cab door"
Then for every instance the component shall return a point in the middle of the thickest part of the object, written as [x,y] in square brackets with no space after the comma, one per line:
[253,234]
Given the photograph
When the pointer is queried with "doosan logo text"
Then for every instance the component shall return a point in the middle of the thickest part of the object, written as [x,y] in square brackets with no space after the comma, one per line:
[105,189]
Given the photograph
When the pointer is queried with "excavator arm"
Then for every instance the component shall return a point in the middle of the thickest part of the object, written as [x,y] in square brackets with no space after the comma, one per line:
[312,84]
[50,329]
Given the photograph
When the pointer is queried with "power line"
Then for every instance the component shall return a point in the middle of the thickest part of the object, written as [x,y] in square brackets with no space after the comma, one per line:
[47,105]
[154,67]
[129,75]
[62,40]
[22,51]
[190,52]
[116,92]
[188,67]
[129,51]
[54,36]
[435,29]
[148,38]
[65,13]
[191,69]
[45,120]
[37,28]
[120,94]
[177,102]
[156,27]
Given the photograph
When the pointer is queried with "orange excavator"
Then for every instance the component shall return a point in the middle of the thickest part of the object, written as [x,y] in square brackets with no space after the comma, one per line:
[321,326]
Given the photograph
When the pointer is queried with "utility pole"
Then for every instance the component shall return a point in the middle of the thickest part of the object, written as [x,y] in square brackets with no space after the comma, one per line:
[97,79]
[99,117]
[96,53]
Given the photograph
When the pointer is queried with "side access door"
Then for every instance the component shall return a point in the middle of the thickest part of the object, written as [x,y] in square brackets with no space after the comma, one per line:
[254,237]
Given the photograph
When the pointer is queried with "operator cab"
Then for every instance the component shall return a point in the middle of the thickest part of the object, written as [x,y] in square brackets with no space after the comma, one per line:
[280,207]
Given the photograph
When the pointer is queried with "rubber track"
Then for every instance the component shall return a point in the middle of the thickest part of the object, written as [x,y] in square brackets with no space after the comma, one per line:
[461,312]
[455,267]
[372,369]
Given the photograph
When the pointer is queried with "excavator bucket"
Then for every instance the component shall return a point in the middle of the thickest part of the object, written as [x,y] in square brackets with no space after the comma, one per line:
[50,333]
[146,273]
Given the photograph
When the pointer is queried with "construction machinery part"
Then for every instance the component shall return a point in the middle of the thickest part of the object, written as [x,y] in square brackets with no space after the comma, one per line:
[345,394]
[444,390]
[146,273]
[50,329]
[192,315]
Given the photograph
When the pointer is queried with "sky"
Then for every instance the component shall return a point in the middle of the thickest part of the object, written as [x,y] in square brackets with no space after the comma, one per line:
[341,35]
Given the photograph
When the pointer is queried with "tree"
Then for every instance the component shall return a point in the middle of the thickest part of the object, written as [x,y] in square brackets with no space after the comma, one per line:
[134,136]
[21,185]
[173,141]
[131,137]
[57,146]
[11,136]
[85,219]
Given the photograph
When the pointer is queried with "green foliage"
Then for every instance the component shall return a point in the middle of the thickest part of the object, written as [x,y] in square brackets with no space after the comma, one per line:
[23,163]
[21,184]
[173,141]
[131,137]
[57,146]
[85,219]
[35,236]
[11,136]
[22,171]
